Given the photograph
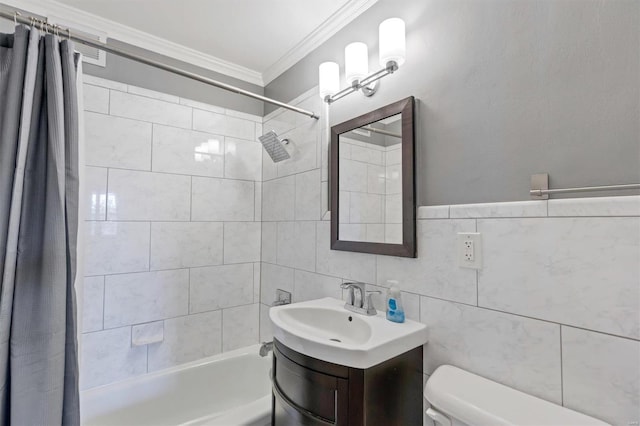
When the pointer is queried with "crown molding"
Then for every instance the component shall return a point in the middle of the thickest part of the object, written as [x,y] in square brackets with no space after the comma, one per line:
[338,20]
[138,38]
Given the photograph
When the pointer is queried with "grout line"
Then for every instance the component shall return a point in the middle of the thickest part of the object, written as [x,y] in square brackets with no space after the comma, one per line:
[106,207]
[171,126]
[189,292]
[191,199]
[150,228]
[561,372]
[104,298]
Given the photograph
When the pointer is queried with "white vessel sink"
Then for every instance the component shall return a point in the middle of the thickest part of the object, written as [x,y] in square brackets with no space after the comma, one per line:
[325,330]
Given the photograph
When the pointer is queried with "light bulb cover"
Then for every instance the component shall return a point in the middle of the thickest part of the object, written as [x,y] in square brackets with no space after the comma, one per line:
[328,79]
[392,41]
[356,60]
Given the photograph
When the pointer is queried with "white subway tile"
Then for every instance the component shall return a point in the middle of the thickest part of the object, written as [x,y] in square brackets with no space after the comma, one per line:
[256,282]
[242,159]
[348,265]
[116,247]
[185,244]
[278,199]
[107,357]
[296,242]
[601,206]
[222,200]
[187,339]
[257,203]
[241,242]
[274,277]
[217,287]
[353,176]
[148,196]
[368,208]
[93,303]
[435,272]
[518,352]
[303,148]
[510,209]
[223,125]
[601,375]
[152,110]
[433,212]
[146,334]
[392,208]
[307,197]
[240,326]
[244,115]
[269,242]
[187,152]
[576,271]
[201,105]
[144,297]
[95,193]
[101,82]
[153,94]
[266,332]
[309,286]
[95,99]
[117,142]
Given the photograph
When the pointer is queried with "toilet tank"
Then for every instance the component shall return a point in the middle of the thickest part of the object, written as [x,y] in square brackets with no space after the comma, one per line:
[474,400]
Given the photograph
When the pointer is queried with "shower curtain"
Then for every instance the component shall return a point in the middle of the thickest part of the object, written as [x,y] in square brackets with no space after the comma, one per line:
[38,229]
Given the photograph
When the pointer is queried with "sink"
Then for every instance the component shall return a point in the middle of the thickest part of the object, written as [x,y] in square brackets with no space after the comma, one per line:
[325,330]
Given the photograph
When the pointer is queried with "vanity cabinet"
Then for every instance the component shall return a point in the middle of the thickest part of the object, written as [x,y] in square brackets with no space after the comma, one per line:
[311,392]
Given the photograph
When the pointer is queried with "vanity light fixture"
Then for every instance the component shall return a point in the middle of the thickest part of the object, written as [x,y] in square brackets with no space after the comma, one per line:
[356,57]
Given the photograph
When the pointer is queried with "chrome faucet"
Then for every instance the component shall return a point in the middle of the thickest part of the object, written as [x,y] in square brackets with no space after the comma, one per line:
[359,300]
[265,348]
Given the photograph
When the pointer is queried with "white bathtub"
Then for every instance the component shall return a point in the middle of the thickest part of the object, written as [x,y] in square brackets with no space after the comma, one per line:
[228,389]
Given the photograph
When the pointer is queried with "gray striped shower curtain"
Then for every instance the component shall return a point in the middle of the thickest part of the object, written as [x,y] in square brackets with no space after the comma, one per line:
[38,229]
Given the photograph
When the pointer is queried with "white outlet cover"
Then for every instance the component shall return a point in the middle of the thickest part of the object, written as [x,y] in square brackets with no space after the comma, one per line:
[464,253]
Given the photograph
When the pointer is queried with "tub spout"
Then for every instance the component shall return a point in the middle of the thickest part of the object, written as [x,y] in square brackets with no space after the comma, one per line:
[265,348]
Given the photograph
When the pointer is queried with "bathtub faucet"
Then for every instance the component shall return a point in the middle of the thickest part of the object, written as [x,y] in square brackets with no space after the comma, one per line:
[265,348]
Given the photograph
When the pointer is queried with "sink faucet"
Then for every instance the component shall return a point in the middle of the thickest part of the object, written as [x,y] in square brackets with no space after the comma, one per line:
[356,300]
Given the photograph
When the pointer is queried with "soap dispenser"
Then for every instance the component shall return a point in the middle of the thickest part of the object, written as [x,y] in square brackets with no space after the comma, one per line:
[395,310]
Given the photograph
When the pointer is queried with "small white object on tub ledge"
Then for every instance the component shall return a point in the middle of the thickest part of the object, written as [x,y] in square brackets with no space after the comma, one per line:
[146,334]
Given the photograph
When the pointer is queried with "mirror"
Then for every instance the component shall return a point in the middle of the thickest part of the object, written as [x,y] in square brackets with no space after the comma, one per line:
[372,182]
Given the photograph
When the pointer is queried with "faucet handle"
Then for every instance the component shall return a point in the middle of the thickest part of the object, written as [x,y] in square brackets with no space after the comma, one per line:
[371,310]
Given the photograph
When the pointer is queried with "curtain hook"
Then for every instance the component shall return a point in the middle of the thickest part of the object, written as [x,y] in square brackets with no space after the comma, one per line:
[69,33]
[15,17]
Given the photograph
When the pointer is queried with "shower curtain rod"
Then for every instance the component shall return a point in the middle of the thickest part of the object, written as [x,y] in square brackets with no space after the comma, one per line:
[54,29]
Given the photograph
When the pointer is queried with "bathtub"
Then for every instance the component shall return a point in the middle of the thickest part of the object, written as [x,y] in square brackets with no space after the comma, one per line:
[228,389]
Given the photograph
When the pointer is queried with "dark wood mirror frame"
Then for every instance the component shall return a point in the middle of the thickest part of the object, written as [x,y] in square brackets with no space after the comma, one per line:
[408,246]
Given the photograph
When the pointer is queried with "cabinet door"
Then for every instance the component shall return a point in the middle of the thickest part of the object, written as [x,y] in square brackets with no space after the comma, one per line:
[285,413]
[307,389]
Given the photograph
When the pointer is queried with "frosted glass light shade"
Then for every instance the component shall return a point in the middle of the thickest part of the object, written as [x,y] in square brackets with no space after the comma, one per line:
[328,79]
[392,41]
[356,61]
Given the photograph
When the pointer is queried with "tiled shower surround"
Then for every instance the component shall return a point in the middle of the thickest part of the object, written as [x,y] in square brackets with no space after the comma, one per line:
[554,311]
[176,247]
[172,232]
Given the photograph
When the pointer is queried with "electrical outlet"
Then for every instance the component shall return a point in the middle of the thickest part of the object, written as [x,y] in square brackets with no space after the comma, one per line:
[470,250]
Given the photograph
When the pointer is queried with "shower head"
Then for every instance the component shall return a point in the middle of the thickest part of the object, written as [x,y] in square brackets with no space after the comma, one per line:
[274,146]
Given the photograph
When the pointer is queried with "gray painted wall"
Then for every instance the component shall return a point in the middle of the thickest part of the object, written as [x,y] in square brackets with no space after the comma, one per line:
[137,74]
[134,73]
[506,89]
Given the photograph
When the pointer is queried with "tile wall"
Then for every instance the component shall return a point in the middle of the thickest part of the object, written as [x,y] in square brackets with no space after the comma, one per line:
[172,206]
[554,312]
[371,183]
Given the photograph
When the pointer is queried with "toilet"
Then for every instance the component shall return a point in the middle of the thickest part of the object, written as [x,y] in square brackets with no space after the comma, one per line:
[458,398]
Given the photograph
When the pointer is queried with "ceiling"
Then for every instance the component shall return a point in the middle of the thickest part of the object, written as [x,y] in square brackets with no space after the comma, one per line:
[263,37]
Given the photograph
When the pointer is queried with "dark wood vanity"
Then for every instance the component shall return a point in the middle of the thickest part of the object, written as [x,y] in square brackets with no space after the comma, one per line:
[311,392]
